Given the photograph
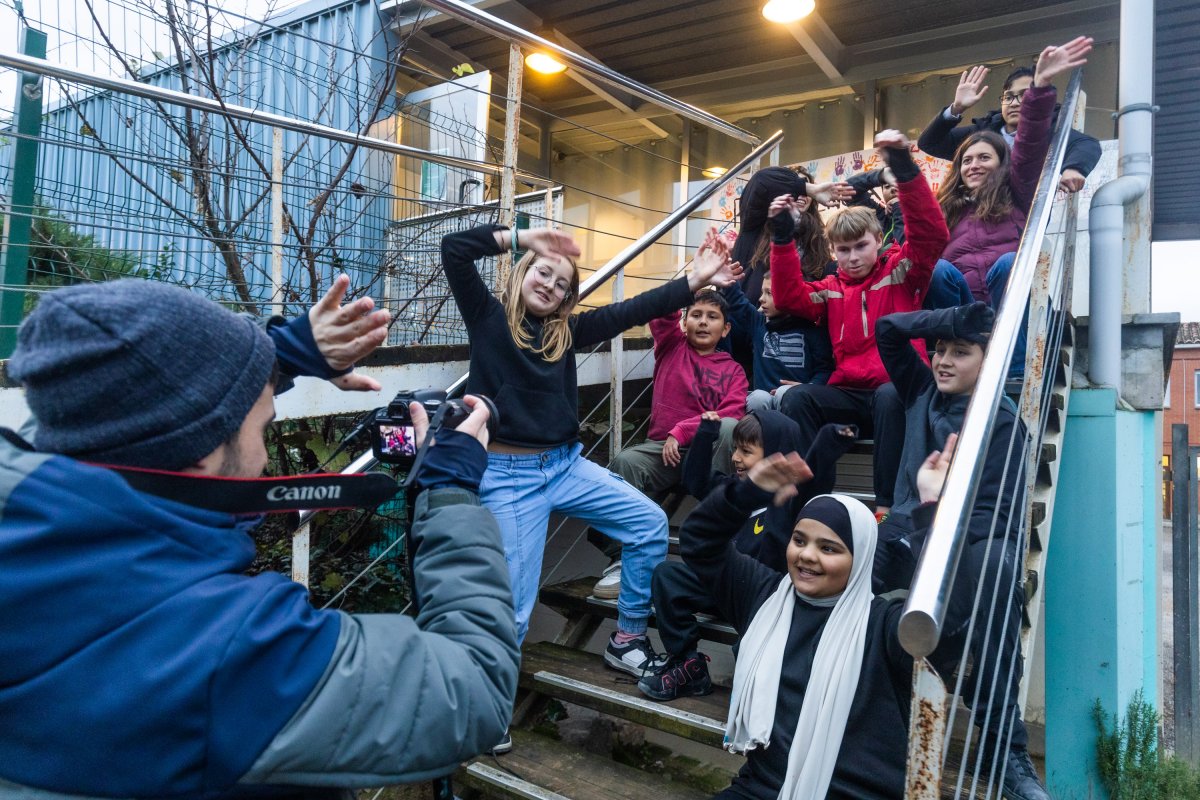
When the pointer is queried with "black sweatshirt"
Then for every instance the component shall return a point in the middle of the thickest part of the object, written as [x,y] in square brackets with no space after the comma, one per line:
[538,400]
[871,762]
[765,535]
[1003,475]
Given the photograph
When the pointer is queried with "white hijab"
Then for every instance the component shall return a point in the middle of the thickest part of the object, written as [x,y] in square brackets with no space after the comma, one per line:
[835,670]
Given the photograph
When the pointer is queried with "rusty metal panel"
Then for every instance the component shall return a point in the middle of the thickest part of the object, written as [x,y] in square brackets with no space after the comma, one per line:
[926,734]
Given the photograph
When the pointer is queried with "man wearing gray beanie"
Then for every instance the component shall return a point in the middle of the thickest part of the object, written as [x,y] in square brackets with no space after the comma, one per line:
[137,658]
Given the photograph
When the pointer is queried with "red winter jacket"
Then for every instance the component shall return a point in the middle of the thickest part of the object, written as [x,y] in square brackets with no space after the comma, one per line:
[850,307]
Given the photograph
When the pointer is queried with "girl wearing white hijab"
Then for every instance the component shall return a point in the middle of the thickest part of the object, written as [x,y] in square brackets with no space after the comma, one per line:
[822,687]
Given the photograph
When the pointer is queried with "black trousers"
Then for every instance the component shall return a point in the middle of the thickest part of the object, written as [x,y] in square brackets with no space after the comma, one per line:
[879,415]
[995,645]
[678,596]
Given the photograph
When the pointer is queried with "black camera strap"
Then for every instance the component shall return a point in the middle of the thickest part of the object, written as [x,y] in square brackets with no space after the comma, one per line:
[322,491]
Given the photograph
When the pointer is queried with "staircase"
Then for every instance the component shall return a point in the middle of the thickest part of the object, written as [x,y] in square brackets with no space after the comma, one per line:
[568,674]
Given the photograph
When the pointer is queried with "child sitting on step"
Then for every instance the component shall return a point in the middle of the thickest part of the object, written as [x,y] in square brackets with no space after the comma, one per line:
[822,687]
[935,401]
[677,593]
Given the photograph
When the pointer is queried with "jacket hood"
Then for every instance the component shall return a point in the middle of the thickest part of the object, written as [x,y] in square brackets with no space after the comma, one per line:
[780,433]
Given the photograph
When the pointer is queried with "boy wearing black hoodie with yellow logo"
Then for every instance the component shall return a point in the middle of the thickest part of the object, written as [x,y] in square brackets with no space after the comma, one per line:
[677,593]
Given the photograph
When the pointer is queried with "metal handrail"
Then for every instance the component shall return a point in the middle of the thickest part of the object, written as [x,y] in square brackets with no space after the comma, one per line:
[173,97]
[925,611]
[478,18]
[620,261]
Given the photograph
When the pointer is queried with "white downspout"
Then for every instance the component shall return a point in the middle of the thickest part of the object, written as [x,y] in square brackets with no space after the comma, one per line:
[1106,217]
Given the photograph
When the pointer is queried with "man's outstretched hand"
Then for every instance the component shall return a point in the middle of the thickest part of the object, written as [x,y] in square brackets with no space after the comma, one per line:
[347,333]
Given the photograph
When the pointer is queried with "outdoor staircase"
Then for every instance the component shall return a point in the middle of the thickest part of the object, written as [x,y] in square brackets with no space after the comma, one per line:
[567,674]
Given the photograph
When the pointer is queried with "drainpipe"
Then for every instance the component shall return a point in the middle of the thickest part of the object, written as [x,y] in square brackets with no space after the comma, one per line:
[1106,218]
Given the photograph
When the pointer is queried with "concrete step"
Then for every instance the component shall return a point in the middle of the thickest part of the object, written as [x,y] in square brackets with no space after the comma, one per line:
[575,597]
[583,678]
[539,768]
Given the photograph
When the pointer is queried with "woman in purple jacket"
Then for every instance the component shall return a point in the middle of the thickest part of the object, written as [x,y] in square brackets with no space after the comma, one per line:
[988,191]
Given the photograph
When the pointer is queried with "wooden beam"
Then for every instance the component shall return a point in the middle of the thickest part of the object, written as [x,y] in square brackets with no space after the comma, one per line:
[821,44]
[622,101]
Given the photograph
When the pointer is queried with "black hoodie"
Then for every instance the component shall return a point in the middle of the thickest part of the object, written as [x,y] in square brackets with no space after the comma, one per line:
[763,187]
[765,533]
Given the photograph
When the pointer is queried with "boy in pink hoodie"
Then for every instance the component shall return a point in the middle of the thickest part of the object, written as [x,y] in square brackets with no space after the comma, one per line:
[691,376]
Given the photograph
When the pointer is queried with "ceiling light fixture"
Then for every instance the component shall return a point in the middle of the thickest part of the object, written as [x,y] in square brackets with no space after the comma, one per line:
[543,63]
[714,172]
[785,11]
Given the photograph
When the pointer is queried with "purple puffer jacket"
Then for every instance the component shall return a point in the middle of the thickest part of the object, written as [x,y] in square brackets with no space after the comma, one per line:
[976,244]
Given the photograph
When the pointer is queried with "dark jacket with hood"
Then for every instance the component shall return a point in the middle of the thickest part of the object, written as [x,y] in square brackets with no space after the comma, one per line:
[942,137]
[765,533]
[763,187]
[140,660]
[931,416]
[891,220]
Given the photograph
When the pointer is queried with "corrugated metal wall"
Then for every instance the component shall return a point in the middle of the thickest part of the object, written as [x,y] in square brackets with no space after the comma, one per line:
[117,167]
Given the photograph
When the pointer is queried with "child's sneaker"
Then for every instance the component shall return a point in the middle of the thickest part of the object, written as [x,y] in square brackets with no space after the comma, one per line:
[503,746]
[680,677]
[609,585]
[637,656]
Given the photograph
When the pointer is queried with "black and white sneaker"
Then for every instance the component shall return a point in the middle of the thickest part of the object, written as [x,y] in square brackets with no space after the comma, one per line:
[503,746]
[637,657]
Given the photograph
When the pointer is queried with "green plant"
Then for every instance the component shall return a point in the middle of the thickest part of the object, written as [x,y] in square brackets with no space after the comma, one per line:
[1131,765]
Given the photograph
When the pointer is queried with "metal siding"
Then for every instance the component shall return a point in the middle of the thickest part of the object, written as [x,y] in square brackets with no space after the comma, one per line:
[282,72]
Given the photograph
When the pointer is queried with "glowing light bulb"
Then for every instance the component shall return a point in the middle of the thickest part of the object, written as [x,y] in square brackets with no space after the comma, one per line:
[785,11]
[543,63]
[714,172]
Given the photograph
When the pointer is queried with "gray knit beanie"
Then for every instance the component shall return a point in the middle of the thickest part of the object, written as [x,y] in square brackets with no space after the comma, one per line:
[138,373]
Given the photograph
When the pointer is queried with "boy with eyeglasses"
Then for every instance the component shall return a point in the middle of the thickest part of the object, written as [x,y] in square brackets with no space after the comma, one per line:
[944,134]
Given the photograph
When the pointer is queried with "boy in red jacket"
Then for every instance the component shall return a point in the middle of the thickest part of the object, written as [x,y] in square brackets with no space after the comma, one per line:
[864,288]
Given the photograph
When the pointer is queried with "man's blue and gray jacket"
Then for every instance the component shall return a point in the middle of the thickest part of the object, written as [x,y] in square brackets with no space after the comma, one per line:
[137,659]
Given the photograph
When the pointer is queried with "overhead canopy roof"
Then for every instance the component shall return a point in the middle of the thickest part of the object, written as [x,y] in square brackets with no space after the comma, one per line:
[724,57]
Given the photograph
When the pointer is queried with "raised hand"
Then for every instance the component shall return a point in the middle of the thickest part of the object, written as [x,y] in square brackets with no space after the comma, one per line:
[970,89]
[973,318]
[932,474]
[711,265]
[1055,61]
[547,242]
[831,193]
[346,333]
[779,474]
[1071,181]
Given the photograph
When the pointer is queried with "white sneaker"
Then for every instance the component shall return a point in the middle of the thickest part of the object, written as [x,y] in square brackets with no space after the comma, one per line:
[609,585]
[637,657]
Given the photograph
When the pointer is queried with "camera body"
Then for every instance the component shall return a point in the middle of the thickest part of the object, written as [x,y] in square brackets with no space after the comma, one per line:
[393,436]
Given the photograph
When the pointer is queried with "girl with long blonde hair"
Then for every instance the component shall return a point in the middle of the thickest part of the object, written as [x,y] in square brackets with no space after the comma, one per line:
[523,347]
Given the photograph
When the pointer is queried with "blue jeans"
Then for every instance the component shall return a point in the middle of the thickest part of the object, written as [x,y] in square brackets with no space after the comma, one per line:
[997,282]
[521,491]
[947,287]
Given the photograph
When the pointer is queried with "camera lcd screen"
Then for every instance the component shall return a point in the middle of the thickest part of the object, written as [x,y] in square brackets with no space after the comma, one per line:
[397,440]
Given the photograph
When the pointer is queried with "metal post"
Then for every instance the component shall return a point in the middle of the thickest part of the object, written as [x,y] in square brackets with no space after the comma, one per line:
[27,122]
[277,222]
[926,734]
[870,109]
[616,369]
[1183,560]
[512,138]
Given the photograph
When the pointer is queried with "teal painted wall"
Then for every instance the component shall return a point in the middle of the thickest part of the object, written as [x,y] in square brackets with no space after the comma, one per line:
[1101,582]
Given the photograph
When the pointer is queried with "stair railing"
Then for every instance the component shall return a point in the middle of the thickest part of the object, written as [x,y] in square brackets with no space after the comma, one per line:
[1040,278]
